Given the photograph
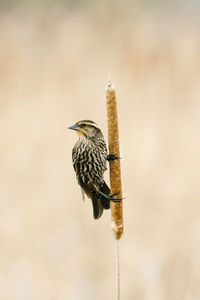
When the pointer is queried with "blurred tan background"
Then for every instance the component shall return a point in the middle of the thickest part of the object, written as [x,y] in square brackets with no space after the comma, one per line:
[55,59]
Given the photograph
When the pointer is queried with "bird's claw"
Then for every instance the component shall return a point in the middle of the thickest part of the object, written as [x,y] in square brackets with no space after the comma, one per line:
[110,197]
[115,199]
[111,157]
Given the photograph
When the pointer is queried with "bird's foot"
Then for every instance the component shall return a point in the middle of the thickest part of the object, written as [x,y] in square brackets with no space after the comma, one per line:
[110,197]
[111,157]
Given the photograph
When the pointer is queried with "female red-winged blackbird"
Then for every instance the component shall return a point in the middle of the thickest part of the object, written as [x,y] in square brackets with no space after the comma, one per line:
[89,157]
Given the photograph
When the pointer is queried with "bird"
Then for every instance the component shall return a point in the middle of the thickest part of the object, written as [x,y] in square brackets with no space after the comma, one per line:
[89,158]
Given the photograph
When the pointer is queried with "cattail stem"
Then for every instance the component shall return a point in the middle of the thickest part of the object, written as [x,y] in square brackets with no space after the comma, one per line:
[117,271]
[115,170]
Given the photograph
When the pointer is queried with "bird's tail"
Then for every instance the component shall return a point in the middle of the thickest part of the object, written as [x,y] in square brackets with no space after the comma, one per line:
[105,202]
[97,207]
[100,202]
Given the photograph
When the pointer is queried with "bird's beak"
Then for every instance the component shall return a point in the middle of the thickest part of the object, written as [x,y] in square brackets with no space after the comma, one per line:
[74,127]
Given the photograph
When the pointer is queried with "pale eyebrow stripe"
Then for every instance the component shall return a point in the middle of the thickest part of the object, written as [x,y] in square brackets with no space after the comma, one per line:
[90,124]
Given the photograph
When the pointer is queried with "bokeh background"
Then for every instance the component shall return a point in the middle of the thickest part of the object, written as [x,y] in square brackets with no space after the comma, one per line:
[55,60]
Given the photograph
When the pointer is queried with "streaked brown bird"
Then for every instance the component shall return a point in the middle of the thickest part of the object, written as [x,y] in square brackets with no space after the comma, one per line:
[89,157]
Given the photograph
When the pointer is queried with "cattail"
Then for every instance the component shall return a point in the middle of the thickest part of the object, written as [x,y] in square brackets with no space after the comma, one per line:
[115,170]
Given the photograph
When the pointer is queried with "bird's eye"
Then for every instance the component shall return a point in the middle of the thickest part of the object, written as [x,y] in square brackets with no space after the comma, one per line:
[83,125]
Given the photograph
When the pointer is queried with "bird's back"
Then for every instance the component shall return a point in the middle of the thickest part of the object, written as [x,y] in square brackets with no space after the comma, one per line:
[89,161]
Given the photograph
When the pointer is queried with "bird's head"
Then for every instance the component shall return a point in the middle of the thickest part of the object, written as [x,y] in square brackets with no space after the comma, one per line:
[86,129]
